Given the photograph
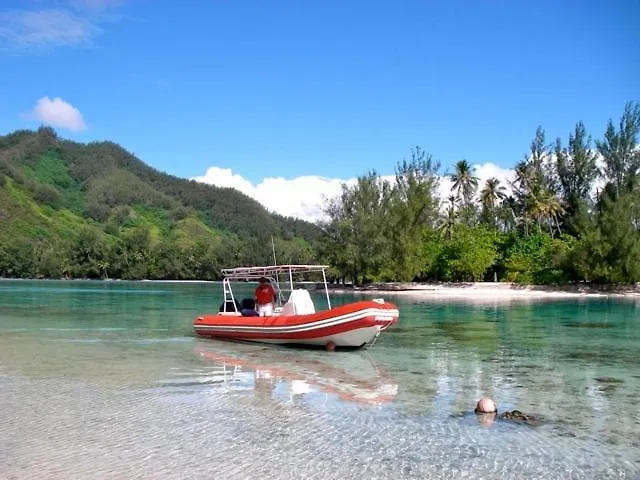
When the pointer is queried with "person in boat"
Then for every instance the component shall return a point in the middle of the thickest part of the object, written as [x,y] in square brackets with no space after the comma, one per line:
[265,296]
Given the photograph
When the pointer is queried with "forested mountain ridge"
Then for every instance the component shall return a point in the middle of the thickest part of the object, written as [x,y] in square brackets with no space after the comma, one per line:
[95,210]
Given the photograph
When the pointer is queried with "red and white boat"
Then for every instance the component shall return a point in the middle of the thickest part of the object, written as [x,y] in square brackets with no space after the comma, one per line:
[296,322]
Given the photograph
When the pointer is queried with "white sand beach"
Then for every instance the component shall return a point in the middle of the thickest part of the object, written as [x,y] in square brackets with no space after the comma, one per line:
[491,291]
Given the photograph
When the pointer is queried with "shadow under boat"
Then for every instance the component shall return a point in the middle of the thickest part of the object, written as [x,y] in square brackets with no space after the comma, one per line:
[353,378]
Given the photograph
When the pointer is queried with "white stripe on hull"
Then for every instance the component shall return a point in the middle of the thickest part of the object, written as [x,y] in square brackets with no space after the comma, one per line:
[379,314]
[352,338]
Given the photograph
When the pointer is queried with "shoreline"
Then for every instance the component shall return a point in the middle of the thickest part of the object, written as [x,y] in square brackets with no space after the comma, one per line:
[491,291]
[472,291]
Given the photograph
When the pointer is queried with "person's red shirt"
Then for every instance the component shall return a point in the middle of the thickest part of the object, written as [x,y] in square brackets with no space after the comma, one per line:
[264,294]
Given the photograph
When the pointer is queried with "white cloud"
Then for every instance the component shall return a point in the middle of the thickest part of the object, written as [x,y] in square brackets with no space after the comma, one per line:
[483,171]
[600,182]
[300,197]
[69,23]
[33,30]
[58,113]
[304,197]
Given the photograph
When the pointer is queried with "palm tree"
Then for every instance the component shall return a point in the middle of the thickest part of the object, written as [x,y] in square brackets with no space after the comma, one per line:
[545,207]
[491,194]
[553,210]
[536,197]
[464,182]
[524,180]
[447,224]
[103,265]
[508,209]
[453,202]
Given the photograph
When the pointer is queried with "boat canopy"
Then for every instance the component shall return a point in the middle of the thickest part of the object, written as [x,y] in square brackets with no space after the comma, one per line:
[271,272]
[254,273]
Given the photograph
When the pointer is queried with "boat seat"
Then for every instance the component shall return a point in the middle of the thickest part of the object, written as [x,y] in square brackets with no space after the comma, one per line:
[299,303]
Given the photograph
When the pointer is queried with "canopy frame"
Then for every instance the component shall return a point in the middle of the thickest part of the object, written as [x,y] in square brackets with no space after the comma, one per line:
[272,272]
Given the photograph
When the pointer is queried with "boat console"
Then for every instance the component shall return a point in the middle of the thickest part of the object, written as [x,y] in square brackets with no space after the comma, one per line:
[299,303]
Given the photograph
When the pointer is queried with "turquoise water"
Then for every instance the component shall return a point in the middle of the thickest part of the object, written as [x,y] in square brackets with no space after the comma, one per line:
[107,380]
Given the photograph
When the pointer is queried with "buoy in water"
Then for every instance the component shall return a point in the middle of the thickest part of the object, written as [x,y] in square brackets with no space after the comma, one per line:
[330,346]
[486,405]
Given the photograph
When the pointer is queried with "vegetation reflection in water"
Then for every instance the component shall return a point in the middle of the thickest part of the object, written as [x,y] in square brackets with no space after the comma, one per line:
[573,364]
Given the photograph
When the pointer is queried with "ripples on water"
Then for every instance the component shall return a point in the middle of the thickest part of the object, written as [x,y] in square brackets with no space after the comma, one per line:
[129,392]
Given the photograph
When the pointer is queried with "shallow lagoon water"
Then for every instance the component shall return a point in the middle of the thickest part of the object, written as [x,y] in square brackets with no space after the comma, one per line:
[107,380]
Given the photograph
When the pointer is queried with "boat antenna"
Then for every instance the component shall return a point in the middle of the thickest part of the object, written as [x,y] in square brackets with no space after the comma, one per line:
[273,248]
[275,263]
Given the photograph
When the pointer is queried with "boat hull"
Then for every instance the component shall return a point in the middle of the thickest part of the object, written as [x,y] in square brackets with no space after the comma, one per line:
[351,326]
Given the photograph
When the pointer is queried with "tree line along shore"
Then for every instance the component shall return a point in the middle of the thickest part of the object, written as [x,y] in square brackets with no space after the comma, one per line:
[569,216]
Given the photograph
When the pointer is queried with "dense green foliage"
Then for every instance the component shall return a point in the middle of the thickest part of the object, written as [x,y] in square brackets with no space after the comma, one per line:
[570,214]
[567,219]
[96,211]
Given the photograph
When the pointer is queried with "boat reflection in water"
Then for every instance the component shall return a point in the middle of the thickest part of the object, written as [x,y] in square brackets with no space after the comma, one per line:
[292,375]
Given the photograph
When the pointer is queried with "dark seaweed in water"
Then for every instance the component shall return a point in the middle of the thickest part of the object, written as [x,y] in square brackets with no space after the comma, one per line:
[605,357]
[608,384]
[608,380]
[587,324]
[518,416]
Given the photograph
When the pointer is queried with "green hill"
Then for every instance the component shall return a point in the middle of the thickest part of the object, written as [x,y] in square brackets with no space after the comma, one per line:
[95,210]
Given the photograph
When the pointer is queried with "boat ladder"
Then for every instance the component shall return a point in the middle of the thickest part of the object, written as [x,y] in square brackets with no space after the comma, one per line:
[228,293]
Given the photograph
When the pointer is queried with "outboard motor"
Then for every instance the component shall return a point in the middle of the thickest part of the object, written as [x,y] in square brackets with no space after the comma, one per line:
[248,304]
[248,307]
[229,306]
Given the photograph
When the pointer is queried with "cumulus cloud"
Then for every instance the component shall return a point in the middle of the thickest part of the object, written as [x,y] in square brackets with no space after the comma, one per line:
[300,197]
[304,197]
[58,113]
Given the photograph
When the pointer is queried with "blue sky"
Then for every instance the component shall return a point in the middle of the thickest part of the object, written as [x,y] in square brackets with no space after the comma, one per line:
[329,88]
